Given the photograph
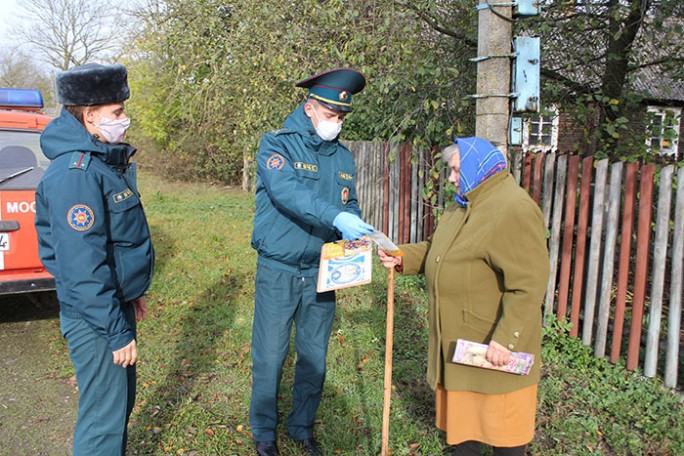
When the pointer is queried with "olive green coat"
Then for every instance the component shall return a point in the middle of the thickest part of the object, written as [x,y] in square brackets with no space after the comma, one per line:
[486,268]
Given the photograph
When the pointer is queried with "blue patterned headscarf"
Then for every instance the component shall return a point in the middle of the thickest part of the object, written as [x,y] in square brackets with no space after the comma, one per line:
[479,161]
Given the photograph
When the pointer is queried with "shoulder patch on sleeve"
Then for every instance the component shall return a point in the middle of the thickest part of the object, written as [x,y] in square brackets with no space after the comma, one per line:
[275,161]
[81,217]
[79,160]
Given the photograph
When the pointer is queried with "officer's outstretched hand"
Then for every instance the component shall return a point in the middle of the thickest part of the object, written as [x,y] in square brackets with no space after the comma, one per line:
[351,226]
[126,356]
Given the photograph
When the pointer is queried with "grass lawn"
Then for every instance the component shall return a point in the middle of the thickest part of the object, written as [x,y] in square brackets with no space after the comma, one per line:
[194,373]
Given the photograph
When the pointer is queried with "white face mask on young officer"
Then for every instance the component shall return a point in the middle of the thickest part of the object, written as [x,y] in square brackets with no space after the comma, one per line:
[113,130]
[326,129]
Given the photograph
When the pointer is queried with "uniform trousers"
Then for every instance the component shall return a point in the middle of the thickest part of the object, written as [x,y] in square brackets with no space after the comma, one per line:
[106,390]
[281,299]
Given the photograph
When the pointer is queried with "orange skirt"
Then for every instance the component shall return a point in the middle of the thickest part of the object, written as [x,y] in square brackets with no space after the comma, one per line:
[501,420]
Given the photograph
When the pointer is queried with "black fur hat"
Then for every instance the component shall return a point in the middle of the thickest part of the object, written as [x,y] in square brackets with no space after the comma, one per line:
[93,84]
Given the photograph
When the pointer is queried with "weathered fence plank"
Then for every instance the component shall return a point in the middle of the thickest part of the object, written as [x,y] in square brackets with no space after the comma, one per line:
[527,173]
[396,194]
[625,257]
[554,239]
[547,196]
[608,259]
[659,260]
[404,175]
[675,312]
[568,237]
[537,184]
[581,244]
[386,222]
[594,258]
[641,270]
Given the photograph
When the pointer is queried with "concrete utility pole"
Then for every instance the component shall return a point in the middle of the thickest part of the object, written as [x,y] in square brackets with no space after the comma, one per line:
[494,75]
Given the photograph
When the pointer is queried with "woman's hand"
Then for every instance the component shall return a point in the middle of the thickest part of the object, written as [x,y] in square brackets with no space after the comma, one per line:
[497,354]
[389,261]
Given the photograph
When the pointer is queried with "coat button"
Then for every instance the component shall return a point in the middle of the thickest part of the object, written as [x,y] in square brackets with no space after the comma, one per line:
[511,346]
[516,334]
[437,260]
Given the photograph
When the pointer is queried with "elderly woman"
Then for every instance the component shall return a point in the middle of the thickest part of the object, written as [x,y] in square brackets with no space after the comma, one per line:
[486,268]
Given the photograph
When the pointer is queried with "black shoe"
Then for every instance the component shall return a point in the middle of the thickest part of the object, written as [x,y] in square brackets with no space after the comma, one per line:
[267,449]
[310,447]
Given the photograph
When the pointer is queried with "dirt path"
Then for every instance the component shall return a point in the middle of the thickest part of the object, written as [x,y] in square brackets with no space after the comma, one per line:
[38,399]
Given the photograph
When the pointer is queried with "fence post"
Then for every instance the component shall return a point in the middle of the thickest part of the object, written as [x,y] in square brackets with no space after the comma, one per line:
[554,239]
[594,250]
[659,259]
[547,198]
[614,195]
[625,257]
[675,313]
[568,237]
[581,244]
[641,269]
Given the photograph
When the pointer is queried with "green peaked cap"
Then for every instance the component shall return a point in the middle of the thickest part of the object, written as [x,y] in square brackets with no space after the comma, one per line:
[334,88]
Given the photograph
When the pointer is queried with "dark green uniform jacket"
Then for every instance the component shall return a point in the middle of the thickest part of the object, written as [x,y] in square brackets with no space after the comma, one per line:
[92,231]
[486,269]
[303,183]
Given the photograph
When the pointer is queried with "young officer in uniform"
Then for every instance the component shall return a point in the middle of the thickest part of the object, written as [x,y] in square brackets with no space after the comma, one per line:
[305,197]
[93,237]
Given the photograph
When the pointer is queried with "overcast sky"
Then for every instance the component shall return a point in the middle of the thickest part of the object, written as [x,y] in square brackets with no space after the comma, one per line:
[8,15]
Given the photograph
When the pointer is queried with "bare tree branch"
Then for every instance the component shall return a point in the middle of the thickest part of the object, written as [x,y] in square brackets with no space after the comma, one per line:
[67,33]
[438,25]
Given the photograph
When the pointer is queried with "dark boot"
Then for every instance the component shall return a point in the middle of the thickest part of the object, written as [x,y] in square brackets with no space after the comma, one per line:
[267,449]
[310,447]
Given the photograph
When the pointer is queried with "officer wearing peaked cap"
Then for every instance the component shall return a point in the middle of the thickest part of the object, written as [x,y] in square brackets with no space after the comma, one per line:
[306,196]
[94,238]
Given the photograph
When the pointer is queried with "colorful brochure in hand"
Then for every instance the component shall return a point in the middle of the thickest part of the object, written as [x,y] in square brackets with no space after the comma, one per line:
[473,354]
[345,264]
[385,244]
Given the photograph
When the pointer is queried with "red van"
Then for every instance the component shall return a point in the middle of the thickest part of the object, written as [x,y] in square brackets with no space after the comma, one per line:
[21,165]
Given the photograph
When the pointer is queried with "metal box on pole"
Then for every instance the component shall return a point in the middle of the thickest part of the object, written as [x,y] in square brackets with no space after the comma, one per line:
[526,80]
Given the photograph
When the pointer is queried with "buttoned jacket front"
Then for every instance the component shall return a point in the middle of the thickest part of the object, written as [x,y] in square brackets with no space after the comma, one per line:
[486,268]
[303,183]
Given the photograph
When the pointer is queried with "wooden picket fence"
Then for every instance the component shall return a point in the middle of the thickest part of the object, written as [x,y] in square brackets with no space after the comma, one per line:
[616,250]
[616,242]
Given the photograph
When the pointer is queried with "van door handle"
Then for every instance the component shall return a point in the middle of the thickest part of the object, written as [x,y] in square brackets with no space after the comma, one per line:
[7,226]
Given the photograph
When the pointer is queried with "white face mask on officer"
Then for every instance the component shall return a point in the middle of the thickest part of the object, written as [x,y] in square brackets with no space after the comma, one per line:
[113,130]
[326,129]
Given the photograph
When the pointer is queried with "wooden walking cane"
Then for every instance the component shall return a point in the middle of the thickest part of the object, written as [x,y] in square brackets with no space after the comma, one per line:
[388,363]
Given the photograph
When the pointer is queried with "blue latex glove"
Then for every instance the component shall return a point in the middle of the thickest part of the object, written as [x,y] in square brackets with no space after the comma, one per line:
[351,226]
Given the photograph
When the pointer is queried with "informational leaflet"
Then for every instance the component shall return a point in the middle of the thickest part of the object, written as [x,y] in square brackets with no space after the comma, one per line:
[473,354]
[345,264]
[385,243]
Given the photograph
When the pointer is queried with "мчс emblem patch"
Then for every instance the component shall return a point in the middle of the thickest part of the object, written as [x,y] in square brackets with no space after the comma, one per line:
[80,217]
[345,195]
[275,161]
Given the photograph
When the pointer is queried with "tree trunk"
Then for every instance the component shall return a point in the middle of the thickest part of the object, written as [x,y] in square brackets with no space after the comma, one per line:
[622,35]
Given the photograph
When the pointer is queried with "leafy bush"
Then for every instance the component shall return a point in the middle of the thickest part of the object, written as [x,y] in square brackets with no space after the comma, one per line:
[588,405]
